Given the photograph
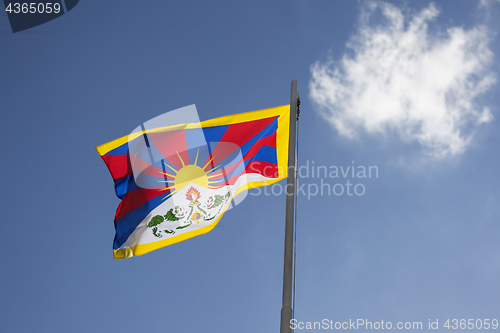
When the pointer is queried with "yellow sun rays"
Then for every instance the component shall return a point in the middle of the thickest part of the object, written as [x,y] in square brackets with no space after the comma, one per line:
[210,160]
[176,180]
[196,159]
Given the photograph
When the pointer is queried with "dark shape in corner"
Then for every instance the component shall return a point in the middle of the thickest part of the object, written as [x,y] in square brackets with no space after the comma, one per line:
[23,21]
[70,4]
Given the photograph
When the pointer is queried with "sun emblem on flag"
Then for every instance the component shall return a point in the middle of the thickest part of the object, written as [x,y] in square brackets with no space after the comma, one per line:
[199,191]
[190,181]
[206,176]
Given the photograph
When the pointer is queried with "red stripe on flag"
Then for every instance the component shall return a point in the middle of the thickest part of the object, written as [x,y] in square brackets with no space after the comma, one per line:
[136,199]
[118,165]
[141,166]
[269,141]
[238,134]
[265,169]
[169,144]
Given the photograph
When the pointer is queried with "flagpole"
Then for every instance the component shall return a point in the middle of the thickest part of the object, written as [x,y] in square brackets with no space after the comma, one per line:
[286,309]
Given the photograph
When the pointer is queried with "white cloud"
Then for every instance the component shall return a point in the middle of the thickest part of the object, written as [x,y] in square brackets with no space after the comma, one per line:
[401,77]
[487,3]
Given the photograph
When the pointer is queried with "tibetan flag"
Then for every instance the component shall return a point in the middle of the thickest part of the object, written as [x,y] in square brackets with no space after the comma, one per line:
[176,182]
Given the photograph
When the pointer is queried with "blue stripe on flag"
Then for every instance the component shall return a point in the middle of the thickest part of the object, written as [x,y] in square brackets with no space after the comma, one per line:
[129,222]
[265,154]
[267,131]
[121,186]
[121,150]
[214,134]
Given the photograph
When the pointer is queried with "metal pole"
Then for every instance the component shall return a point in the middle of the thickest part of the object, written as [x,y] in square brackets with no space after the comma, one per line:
[286,310]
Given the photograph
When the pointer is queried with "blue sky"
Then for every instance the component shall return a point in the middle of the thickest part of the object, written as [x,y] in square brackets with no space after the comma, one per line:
[421,105]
